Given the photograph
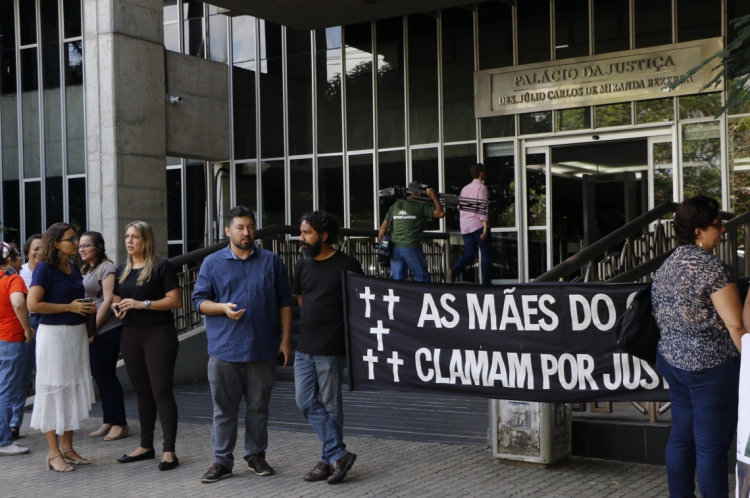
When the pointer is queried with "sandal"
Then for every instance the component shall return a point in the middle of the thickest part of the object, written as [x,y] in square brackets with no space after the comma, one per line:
[65,468]
[101,431]
[80,461]
[123,433]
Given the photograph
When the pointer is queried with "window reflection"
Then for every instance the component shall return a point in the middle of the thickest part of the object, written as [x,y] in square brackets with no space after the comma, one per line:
[390,49]
[613,115]
[358,39]
[505,256]
[537,252]
[243,87]
[499,126]
[533,20]
[573,119]
[536,122]
[423,79]
[500,171]
[536,189]
[495,35]
[331,186]
[426,169]
[193,35]
[663,172]
[271,90]
[299,91]
[571,29]
[217,38]
[458,75]
[700,106]
[301,186]
[611,26]
[654,111]
[458,160]
[74,123]
[30,112]
[701,160]
[739,164]
[361,198]
[328,83]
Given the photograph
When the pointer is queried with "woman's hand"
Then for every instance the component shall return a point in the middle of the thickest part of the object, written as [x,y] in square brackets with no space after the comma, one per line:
[82,307]
[118,311]
[131,304]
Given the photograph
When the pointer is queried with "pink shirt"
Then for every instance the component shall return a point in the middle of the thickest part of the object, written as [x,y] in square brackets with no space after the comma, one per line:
[471,222]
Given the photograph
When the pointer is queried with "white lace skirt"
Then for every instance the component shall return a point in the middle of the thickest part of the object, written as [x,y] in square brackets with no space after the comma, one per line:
[64,391]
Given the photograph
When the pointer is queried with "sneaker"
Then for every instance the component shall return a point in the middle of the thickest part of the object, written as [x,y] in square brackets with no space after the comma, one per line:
[258,464]
[12,450]
[216,473]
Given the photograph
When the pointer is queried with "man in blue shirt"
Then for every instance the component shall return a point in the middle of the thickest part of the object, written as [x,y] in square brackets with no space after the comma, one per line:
[244,292]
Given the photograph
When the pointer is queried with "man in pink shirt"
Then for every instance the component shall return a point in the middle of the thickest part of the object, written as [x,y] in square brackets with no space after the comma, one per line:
[475,230]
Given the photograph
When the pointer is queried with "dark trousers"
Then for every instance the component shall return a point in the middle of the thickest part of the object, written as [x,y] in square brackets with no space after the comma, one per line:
[472,242]
[150,353]
[704,419]
[103,354]
[230,382]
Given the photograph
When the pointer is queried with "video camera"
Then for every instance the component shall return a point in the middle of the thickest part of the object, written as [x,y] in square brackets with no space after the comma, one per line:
[453,201]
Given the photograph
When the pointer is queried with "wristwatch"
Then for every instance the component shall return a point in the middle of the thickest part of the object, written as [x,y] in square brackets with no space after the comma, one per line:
[147,304]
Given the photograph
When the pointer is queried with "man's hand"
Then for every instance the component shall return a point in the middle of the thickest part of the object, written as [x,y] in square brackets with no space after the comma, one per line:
[431,193]
[286,349]
[29,333]
[231,313]
[484,234]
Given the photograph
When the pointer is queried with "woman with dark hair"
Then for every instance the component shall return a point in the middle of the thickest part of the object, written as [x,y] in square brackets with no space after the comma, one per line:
[145,293]
[64,393]
[104,348]
[31,253]
[16,335]
[697,306]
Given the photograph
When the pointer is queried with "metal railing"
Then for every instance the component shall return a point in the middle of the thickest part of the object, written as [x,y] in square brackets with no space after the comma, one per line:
[358,243]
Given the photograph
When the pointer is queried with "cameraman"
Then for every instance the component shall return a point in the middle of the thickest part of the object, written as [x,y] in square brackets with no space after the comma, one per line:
[408,224]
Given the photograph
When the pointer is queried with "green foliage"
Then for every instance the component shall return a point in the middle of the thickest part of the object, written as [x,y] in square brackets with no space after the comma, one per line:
[734,68]
[4,229]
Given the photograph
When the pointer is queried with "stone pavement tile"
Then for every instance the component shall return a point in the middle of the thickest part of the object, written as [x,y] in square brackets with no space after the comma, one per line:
[384,467]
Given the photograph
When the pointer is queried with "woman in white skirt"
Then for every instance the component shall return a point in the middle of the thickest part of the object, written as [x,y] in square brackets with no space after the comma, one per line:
[64,392]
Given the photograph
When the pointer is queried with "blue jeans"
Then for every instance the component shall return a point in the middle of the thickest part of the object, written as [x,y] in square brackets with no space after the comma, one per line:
[472,241]
[317,382]
[11,359]
[704,418]
[103,354]
[413,257]
[29,362]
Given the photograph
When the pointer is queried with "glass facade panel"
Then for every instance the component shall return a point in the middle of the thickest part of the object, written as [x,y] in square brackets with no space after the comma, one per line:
[423,79]
[27,16]
[573,119]
[458,160]
[505,256]
[358,57]
[706,105]
[653,22]
[654,111]
[500,179]
[613,115]
[243,87]
[8,104]
[53,193]
[361,187]
[74,123]
[77,214]
[498,126]
[246,180]
[663,172]
[172,37]
[701,160]
[735,9]
[537,253]
[193,34]
[299,91]
[271,90]
[390,50]
[192,9]
[72,15]
[535,122]
[571,29]
[611,26]
[425,168]
[331,186]
[697,19]
[30,113]
[273,192]
[217,41]
[391,173]
[328,88]
[536,189]
[301,185]
[458,75]
[533,21]
[174,204]
[195,216]
[11,210]
[739,164]
[170,10]
[53,160]
[495,35]
[33,207]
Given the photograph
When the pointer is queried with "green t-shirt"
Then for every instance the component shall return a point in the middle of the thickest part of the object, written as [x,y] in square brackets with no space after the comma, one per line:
[408,222]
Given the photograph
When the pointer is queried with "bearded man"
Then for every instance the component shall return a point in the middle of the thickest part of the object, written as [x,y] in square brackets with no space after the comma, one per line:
[244,292]
[321,354]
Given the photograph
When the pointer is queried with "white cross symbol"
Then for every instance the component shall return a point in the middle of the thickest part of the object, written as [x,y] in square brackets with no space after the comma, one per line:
[367,297]
[379,330]
[391,299]
[369,358]
[395,362]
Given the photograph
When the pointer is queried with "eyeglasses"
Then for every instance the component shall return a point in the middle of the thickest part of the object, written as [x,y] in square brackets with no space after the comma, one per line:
[72,239]
[84,246]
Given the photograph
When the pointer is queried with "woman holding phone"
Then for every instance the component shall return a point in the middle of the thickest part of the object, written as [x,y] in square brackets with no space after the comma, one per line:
[64,393]
[145,293]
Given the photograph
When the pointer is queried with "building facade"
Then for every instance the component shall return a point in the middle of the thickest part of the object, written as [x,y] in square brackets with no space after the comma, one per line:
[324,118]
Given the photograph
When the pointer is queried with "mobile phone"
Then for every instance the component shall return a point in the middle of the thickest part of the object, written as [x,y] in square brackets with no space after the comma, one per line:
[117,309]
[86,300]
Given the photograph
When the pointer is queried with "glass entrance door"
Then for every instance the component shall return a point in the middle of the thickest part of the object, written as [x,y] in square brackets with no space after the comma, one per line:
[537,209]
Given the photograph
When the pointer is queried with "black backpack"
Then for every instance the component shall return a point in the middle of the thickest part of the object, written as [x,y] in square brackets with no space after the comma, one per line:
[636,331]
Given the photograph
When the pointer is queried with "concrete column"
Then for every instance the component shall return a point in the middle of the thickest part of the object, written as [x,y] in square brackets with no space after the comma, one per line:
[125,118]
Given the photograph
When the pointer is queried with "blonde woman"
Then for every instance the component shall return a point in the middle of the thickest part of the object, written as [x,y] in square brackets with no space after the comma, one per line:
[64,392]
[146,291]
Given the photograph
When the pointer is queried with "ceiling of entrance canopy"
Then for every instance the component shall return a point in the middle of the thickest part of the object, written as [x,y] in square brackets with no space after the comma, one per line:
[307,14]
[601,158]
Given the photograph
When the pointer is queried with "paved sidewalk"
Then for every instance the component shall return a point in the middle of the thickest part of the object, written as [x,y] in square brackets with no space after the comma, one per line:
[384,467]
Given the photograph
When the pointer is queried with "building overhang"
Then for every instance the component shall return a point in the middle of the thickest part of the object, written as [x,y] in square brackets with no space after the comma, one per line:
[305,14]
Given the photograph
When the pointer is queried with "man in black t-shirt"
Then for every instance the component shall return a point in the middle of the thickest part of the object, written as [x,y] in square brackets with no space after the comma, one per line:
[320,356]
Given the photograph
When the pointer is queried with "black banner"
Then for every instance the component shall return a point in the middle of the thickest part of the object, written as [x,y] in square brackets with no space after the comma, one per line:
[530,342]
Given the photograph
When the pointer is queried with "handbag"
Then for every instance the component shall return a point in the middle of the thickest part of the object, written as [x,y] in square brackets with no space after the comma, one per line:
[91,324]
[384,248]
[636,330]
